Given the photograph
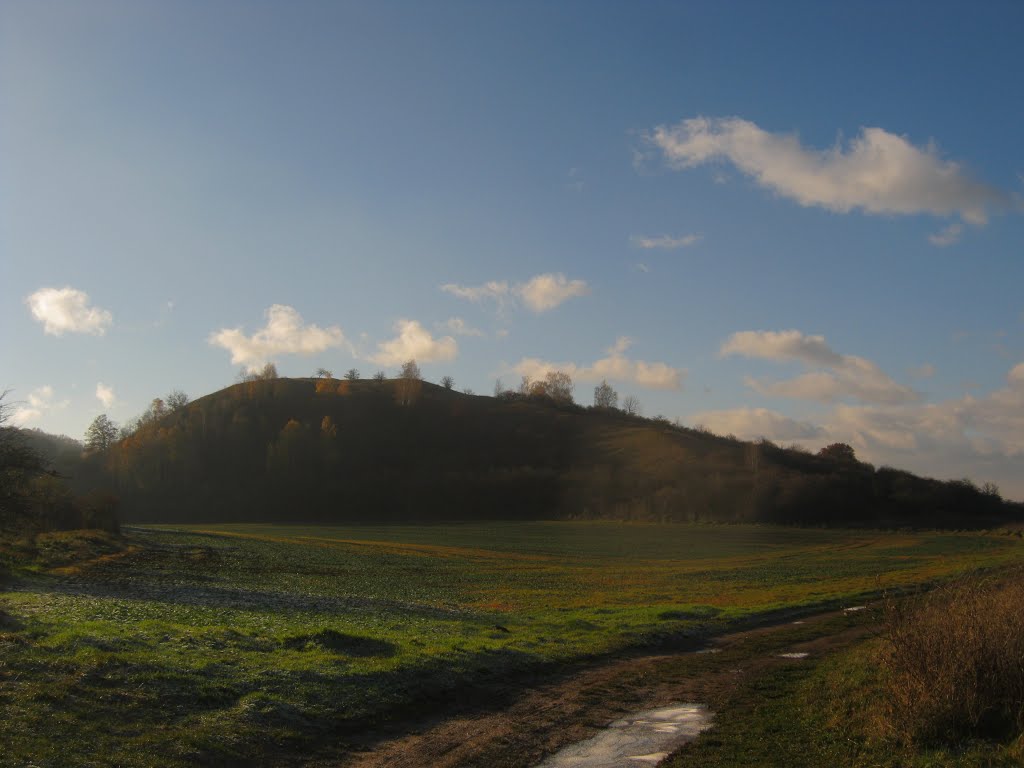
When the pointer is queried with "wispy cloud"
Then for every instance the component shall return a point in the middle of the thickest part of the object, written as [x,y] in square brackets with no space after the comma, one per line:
[414,342]
[947,236]
[877,172]
[665,242]
[105,394]
[39,403]
[544,292]
[67,310]
[496,290]
[540,293]
[284,334]
[615,366]
[838,376]
[753,423]
[459,327]
[925,371]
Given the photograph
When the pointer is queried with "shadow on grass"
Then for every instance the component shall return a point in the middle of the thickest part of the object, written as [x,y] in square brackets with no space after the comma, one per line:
[209,596]
[339,642]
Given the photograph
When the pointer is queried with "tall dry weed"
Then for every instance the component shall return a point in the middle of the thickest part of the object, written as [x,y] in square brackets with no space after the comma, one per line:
[953,662]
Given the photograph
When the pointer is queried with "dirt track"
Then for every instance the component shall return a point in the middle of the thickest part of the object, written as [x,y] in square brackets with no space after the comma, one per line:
[544,716]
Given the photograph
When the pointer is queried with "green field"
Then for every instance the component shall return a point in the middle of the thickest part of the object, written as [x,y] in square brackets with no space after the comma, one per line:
[219,643]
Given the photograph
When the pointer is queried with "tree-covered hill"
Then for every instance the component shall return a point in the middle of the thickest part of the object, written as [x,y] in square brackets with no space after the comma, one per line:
[324,450]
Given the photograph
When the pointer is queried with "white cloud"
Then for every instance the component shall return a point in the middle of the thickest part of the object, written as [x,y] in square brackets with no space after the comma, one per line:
[496,290]
[1015,378]
[459,327]
[414,342]
[877,172]
[947,236]
[616,367]
[977,437]
[753,423]
[105,394]
[284,334]
[62,310]
[540,293]
[781,345]
[40,401]
[544,292]
[838,376]
[665,242]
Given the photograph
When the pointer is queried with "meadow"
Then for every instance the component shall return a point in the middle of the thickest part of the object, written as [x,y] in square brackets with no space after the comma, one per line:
[220,643]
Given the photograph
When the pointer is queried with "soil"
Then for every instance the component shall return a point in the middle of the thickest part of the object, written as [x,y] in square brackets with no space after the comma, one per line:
[530,720]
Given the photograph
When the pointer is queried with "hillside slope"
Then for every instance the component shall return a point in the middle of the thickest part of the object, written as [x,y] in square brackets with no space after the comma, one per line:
[309,450]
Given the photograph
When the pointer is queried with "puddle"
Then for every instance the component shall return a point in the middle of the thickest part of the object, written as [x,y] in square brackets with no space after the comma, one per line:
[794,655]
[855,609]
[798,622]
[645,738]
[709,650]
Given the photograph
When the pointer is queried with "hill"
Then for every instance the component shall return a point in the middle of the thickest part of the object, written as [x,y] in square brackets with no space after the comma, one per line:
[323,450]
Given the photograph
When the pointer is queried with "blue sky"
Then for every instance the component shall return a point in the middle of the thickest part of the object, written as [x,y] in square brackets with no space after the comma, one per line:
[801,221]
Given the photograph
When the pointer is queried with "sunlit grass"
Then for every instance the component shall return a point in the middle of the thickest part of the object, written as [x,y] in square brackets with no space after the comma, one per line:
[221,641]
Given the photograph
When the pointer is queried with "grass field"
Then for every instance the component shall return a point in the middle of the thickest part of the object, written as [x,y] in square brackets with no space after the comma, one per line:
[219,643]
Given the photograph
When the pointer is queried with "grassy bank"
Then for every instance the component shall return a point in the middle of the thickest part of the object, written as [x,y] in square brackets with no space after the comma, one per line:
[939,685]
[226,643]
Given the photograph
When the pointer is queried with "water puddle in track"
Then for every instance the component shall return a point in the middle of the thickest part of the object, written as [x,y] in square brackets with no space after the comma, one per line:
[645,738]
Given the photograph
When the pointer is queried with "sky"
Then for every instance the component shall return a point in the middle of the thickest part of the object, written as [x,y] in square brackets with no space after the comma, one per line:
[795,221]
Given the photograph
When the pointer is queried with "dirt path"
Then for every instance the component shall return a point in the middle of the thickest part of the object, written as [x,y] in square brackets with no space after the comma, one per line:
[545,716]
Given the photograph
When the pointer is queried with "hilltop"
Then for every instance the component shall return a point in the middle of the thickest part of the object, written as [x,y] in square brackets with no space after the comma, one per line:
[324,450]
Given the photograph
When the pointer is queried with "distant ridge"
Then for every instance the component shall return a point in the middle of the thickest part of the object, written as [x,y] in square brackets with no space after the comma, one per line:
[330,451]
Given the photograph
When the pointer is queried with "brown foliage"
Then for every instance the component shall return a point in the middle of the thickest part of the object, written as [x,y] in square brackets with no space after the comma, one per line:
[953,662]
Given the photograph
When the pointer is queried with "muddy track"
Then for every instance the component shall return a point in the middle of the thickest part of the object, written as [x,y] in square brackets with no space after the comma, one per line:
[532,719]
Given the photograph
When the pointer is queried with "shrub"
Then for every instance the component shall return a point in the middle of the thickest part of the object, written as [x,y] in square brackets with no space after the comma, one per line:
[953,662]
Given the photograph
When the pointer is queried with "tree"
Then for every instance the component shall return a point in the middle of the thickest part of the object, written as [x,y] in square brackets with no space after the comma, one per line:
[20,465]
[447,382]
[407,388]
[352,374]
[176,400]
[838,452]
[558,386]
[156,411]
[323,373]
[605,396]
[101,434]
[380,376]
[266,373]
[631,405]
[410,371]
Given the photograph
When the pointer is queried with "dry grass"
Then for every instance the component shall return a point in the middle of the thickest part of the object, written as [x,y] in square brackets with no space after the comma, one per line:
[953,663]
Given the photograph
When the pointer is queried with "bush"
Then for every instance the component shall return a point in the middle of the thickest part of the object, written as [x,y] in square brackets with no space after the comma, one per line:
[953,663]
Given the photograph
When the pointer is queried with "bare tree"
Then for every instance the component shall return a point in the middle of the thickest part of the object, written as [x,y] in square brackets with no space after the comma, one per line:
[352,374]
[380,376]
[605,396]
[410,371]
[323,373]
[410,381]
[266,373]
[631,405]
[447,382]
[176,400]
